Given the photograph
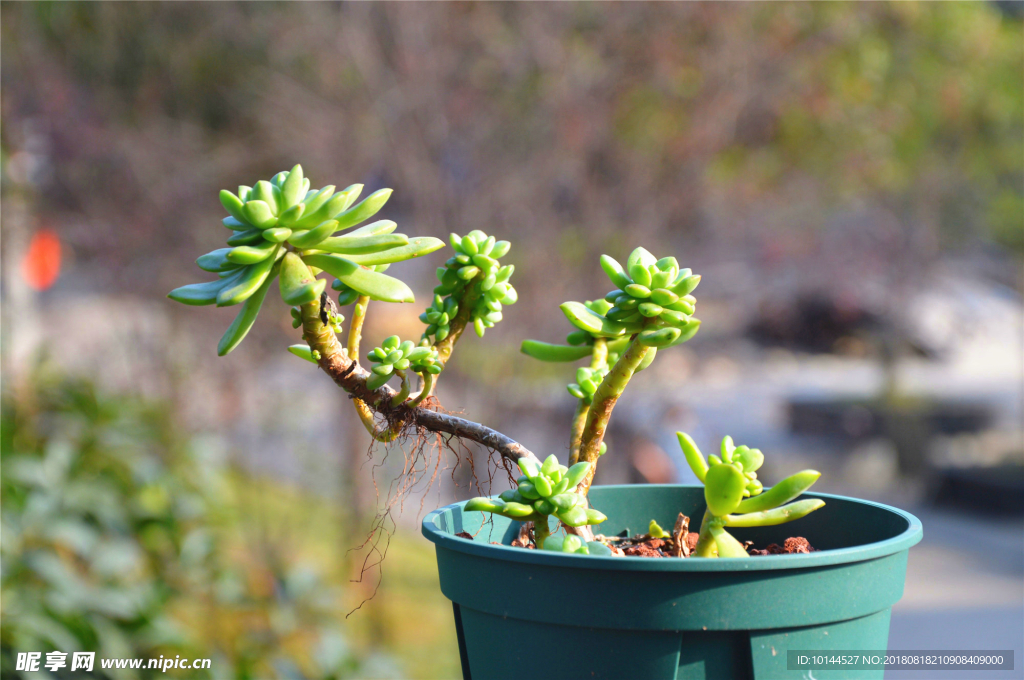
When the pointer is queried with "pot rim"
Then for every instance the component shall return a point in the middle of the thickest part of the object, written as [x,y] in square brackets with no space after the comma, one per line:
[901,542]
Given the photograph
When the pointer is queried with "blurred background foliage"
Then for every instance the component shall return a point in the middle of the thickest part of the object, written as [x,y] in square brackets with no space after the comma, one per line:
[836,171]
[122,538]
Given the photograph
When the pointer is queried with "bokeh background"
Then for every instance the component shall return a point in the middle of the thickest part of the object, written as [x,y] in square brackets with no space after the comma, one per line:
[848,179]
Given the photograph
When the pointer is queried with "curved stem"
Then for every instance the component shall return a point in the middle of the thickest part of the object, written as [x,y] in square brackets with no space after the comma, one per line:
[348,375]
[427,384]
[366,418]
[608,393]
[355,334]
[403,394]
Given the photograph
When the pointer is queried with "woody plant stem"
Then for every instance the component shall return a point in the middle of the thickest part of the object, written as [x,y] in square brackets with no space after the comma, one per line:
[344,370]
[598,358]
[608,393]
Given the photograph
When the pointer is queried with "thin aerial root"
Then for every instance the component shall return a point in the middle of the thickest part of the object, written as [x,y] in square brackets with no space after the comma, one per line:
[425,455]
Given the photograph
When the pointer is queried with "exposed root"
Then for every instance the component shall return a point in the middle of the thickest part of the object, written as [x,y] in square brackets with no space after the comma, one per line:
[425,455]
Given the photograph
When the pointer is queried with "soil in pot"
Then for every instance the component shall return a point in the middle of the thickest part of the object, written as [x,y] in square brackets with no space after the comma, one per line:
[645,545]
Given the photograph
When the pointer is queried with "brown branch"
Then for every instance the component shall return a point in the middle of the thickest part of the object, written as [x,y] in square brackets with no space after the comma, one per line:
[608,393]
[348,375]
[598,358]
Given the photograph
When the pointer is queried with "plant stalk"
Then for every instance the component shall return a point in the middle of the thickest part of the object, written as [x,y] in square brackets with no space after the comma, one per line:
[348,375]
[541,531]
[355,335]
[355,328]
[598,358]
[459,323]
[608,393]
[579,420]
[403,394]
[706,546]
[426,386]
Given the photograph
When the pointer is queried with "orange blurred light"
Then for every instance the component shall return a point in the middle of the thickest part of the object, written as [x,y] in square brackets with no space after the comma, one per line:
[41,265]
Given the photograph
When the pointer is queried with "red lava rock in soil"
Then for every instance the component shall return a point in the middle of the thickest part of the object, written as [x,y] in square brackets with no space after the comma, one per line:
[691,540]
[797,544]
[655,543]
[465,534]
[642,550]
[791,546]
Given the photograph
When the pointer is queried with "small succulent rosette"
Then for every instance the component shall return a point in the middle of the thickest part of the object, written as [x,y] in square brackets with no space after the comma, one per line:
[542,491]
[282,229]
[394,357]
[475,277]
[735,496]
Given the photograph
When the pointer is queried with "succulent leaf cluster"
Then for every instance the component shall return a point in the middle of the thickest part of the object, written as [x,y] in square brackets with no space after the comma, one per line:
[282,229]
[439,316]
[653,297]
[580,342]
[735,497]
[542,491]
[472,276]
[547,489]
[587,382]
[394,356]
[570,543]
[653,301]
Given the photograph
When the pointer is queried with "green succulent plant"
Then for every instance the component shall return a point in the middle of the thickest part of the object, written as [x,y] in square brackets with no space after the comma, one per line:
[587,380]
[735,497]
[653,302]
[282,229]
[474,277]
[654,530]
[542,491]
[394,358]
[652,299]
[651,308]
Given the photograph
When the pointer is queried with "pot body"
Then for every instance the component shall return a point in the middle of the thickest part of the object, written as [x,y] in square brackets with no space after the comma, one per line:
[527,613]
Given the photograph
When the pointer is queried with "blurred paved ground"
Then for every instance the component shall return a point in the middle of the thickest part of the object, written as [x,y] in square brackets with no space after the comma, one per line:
[965,590]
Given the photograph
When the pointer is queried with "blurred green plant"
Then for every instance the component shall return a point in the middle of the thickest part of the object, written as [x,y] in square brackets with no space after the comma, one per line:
[917,105]
[112,543]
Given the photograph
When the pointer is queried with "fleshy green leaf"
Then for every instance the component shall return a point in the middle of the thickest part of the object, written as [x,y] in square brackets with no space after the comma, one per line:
[559,353]
[585,319]
[416,247]
[303,352]
[359,278]
[239,328]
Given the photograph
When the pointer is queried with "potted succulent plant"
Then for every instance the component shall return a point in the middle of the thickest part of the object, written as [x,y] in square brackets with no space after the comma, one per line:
[534,590]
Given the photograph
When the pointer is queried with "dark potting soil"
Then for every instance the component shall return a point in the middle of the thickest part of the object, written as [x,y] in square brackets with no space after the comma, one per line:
[791,546]
[644,545]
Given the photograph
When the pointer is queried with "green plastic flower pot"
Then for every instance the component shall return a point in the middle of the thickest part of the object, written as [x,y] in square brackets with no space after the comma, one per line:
[527,613]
